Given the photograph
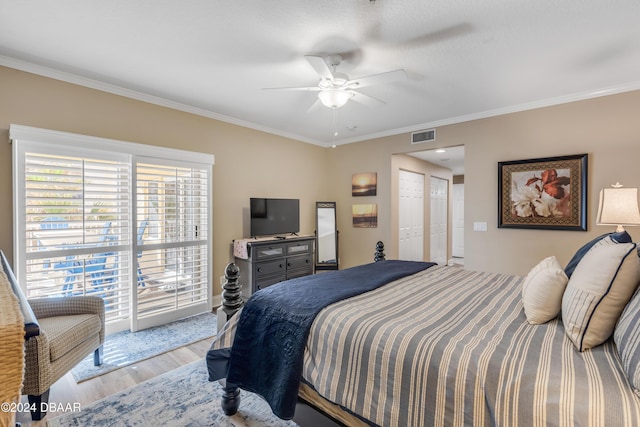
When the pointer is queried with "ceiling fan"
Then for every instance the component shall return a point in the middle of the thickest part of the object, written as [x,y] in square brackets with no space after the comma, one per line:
[335,89]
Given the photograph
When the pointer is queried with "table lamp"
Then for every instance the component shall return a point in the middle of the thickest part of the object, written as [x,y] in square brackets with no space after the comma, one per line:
[618,206]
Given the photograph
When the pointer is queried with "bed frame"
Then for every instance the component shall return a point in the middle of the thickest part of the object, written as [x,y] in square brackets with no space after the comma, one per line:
[231,303]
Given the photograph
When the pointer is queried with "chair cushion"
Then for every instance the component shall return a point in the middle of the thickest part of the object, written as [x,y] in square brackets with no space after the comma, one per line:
[67,332]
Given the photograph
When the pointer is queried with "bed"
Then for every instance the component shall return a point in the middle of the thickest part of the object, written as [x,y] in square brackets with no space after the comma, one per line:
[448,346]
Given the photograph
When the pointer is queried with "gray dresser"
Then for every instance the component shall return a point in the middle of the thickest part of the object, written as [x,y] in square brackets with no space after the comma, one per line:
[274,260]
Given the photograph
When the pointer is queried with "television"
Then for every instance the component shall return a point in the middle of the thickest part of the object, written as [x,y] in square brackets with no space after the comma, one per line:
[274,216]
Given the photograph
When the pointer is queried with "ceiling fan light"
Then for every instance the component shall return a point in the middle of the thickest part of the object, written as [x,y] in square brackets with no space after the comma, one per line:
[334,98]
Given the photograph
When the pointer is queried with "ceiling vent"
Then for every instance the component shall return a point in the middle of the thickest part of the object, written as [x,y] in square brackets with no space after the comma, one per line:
[423,136]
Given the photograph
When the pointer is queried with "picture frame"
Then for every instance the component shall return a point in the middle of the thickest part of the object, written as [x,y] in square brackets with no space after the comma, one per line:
[546,193]
[364,215]
[364,184]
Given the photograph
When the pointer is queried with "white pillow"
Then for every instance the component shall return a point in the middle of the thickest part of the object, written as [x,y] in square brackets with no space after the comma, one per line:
[542,291]
[599,289]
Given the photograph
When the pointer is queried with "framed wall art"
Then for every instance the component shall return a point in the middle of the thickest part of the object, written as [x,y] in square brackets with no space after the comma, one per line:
[365,215]
[364,184]
[548,193]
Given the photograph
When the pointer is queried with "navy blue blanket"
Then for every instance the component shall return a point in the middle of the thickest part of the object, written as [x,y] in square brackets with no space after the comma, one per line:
[268,349]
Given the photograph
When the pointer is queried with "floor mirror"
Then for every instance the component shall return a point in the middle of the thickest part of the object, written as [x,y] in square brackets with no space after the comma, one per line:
[327,236]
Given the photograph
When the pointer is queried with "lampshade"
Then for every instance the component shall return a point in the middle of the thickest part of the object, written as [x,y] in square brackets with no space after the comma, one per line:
[334,98]
[618,206]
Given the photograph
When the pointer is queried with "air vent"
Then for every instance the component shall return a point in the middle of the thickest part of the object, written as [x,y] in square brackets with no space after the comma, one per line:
[423,136]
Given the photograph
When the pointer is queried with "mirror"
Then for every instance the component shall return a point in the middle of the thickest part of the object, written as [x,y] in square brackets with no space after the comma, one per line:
[326,236]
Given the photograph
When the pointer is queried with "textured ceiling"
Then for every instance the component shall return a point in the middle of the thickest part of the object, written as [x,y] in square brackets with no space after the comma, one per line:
[463,59]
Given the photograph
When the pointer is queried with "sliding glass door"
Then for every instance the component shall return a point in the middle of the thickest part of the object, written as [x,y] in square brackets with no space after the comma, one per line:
[130,228]
[75,226]
[171,243]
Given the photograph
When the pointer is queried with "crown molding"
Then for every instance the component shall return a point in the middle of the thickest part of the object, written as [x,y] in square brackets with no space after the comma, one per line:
[163,102]
[66,77]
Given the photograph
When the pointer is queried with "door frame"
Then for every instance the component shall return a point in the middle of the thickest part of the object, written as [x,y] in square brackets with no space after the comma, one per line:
[405,162]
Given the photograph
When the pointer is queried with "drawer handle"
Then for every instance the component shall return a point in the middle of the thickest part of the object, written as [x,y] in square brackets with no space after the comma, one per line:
[259,269]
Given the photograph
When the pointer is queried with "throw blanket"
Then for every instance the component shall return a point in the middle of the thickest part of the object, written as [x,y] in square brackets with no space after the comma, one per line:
[268,349]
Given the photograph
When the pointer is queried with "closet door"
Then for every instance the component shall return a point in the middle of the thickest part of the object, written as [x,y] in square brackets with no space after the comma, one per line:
[439,213]
[411,216]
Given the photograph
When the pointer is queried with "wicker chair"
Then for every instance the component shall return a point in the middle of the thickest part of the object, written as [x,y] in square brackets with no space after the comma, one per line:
[59,333]
[11,350]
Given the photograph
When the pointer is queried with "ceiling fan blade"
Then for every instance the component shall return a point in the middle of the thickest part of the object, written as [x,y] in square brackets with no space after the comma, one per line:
[315,106]
[320,65]
[376,79]
[361,98]
[304,88]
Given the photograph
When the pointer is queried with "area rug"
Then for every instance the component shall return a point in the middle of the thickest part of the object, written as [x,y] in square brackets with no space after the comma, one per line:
[125,348]
[182,397]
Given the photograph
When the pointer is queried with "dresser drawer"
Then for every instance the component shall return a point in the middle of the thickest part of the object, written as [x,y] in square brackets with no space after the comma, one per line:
[262,283]
[268,251]
[269,268]
[299,272]
[300,261]
[298,248]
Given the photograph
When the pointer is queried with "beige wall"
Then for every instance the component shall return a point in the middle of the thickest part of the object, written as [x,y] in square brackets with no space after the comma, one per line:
[606,128]
[250,163]
[247,162]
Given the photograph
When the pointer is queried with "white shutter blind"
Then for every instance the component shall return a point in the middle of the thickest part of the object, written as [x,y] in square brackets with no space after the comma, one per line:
[77,232]
[172,217]
[127,222]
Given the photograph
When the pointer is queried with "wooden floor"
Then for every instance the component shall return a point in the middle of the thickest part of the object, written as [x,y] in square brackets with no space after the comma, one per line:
[67,391]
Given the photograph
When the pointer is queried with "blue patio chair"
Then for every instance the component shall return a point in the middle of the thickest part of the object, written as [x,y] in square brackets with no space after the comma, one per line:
[96,266]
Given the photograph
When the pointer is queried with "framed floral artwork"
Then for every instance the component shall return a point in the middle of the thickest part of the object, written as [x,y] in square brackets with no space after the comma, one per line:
[548,193]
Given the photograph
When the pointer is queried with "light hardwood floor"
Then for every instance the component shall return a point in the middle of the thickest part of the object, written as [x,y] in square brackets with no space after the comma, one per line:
[66,390]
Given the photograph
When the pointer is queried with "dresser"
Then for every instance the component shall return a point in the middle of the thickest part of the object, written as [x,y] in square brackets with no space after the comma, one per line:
[264,262]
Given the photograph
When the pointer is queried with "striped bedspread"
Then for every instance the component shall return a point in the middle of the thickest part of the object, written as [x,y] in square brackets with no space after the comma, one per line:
[448,346]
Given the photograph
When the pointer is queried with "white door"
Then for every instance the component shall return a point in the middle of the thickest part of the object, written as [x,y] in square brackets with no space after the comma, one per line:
[457,233]
[411,216]
[439,196]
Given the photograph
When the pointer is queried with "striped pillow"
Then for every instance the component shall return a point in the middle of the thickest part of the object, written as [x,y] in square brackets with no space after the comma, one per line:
[542,291]
[627,339]
[618,237]
[599,289]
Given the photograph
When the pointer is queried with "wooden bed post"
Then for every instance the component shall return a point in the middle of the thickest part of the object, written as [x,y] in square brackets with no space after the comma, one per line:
[379,256]
[231,295]
[230,399]
[231,291]
[231,303]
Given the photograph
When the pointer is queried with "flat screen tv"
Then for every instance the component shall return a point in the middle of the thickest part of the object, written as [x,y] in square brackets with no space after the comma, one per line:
[274,216]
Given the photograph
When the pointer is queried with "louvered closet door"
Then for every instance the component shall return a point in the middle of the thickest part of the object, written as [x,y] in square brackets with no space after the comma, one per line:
[411,215]
[171,204]
[439,223]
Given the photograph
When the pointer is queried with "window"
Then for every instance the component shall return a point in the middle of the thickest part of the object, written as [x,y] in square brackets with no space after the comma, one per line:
[124,221]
